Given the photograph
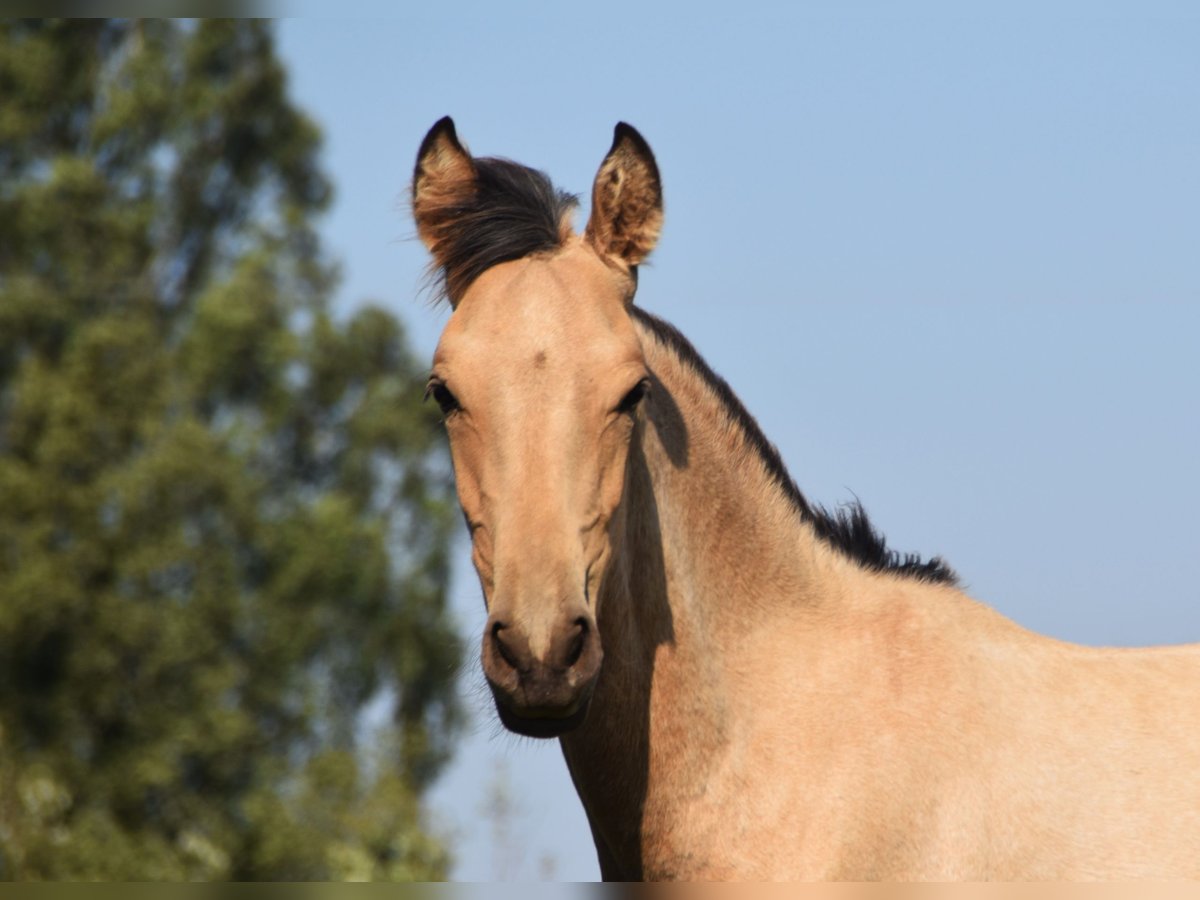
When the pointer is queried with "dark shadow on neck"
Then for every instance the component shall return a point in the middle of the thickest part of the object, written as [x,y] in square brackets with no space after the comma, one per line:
[609,756]
[663,414]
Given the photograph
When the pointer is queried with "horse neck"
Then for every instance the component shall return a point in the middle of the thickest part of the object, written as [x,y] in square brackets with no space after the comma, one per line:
[710,554]
[704,510]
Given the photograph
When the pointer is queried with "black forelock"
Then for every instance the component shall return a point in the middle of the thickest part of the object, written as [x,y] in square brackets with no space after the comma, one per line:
[513,212]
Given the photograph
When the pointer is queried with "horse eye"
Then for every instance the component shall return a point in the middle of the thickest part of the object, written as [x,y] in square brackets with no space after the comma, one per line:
[635,396]
[442,397]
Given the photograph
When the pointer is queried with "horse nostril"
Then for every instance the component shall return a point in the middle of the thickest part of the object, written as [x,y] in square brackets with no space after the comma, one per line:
[506,652]
[575,650]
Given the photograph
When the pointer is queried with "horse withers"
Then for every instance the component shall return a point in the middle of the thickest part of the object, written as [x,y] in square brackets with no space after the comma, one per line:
[746,685]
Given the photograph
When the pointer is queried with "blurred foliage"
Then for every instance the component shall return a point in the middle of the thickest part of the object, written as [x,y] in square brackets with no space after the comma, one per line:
[224,515]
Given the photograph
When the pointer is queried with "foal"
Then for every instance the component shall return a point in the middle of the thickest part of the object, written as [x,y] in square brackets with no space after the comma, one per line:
[746,686]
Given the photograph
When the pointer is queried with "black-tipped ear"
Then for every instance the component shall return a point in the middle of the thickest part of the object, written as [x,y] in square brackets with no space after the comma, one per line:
[444,177]
[627,206]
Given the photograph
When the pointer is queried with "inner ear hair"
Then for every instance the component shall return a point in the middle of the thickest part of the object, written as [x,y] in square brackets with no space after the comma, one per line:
[627,205]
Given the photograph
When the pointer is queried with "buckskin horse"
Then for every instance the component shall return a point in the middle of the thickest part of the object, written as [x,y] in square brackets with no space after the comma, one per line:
[744,684]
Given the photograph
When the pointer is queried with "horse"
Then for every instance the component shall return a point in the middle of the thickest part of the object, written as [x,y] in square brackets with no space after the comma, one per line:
[746,685]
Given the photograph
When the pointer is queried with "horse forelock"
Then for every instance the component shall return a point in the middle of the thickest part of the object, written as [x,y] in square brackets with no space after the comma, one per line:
[510,212]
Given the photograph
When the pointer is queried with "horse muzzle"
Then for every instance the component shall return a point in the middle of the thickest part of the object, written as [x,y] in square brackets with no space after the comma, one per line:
[543,689]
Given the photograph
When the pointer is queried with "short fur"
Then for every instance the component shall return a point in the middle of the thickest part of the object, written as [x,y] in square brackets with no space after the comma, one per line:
[744,686]
[847,529]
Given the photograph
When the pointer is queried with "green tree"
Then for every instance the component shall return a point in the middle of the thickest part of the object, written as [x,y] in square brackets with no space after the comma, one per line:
[224,515]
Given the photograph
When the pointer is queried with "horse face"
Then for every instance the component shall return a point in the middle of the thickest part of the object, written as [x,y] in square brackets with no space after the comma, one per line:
[540,375]
[540,371]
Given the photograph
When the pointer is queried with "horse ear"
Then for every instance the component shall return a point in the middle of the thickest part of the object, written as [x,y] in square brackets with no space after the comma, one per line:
[627,206]
[443,180]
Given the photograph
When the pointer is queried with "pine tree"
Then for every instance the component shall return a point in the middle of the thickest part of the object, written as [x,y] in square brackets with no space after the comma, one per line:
[224,514]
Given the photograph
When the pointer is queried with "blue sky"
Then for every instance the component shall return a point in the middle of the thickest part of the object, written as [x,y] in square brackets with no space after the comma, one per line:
[950,262]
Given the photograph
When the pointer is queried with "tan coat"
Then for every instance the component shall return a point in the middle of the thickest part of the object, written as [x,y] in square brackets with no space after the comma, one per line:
[738,693]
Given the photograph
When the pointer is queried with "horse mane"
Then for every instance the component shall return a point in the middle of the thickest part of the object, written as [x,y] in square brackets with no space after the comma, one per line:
[846,528]
[513,212]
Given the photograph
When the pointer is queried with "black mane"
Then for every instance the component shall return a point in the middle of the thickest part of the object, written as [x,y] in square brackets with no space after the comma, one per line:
[847,528]
[513,212]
